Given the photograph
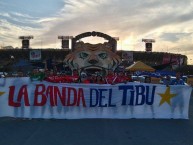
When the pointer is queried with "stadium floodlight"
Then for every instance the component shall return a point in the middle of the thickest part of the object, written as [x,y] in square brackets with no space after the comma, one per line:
[65,41]
[26,37]
[65,37]
[148,40]
[148,44]
[25,41]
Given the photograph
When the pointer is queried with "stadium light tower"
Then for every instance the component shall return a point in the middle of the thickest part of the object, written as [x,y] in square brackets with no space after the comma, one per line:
[148,44]
[25,41]
[65,41]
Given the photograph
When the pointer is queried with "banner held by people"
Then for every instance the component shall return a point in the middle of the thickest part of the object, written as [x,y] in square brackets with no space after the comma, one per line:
[19,97]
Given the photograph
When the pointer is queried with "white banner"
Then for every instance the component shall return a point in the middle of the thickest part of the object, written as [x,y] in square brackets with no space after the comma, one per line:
[35,55]
[19,97]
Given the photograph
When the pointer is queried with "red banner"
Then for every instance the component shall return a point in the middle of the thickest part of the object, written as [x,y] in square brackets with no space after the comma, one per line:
[166,58]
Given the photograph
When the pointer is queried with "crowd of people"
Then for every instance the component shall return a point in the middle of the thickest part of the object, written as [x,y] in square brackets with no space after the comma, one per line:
[98,78]
[81,77]
[177,81]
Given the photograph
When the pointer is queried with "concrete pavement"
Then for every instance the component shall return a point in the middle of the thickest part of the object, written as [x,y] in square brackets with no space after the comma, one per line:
[97,131]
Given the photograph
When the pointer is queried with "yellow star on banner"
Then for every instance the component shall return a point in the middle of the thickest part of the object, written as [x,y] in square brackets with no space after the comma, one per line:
[166,97]
[1,93]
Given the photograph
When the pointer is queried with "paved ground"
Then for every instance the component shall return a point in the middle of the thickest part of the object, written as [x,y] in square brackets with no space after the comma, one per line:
[97,131]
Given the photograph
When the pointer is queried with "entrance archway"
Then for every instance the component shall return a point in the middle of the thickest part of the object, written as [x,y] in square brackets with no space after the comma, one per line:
[110,39]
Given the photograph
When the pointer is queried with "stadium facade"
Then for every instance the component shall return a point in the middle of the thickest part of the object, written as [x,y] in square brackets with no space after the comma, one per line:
[58,55]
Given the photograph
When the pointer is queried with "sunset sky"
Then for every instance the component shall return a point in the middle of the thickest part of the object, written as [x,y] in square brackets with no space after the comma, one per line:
[169,22]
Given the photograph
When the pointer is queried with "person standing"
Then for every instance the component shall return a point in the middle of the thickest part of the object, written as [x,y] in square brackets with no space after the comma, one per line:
[99,80]
[147,79]
[167,81]
[121,78]
[84,78]
[75,76]
[110,78]
[178,80]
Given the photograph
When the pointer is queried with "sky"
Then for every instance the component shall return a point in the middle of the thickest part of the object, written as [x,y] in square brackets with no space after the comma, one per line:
[169,22]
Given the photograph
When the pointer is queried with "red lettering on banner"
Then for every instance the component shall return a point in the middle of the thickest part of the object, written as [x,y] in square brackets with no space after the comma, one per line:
[22,94]
[49,92]
[70,91]
[11,97]
[61,96]
[40,93]
[67,96]
[81,96]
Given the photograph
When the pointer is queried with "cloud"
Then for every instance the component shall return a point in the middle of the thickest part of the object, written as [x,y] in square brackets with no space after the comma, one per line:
[21,15]
[125,19]
[174,37]
[5,14]
[170,23]
[9,33]
[21,20]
